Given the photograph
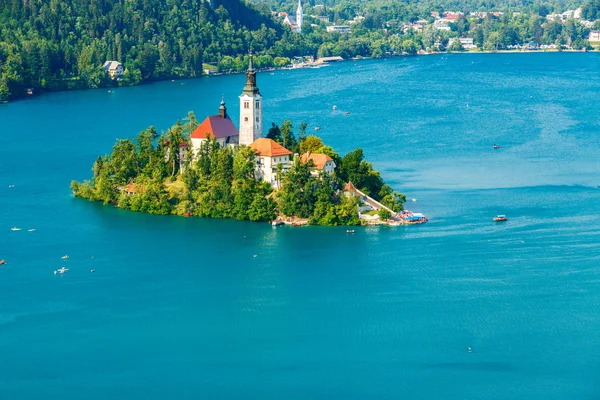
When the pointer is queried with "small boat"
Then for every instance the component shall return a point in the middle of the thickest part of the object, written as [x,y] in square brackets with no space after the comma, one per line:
[31,230]
[15,229]
[276,223]
[92,270]
[317,128]
[496,146]
[500,218]
[347,112]
[350,231]
[60,271]
[11,186]
[65,257]
[2,262]
[414,199]
[335,107]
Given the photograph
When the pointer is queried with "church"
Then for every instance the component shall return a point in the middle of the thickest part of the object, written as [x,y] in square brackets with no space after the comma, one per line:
[295,23]
[220,127]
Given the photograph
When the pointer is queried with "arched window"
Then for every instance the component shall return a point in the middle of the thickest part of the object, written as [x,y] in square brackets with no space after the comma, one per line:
[246,104]
[246,119]
[256,119]
[257,104]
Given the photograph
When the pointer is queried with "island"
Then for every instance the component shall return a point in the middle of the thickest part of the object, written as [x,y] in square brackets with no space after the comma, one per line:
[212,169]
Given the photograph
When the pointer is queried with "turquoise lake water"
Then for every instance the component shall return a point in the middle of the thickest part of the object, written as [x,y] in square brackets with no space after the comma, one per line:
[185,308]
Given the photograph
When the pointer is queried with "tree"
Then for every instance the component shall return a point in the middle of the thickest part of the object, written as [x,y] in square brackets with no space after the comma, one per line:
[384,214]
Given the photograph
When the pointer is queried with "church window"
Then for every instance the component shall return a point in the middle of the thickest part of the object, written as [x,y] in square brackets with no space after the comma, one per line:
[256,119]
[246,119]
[246,104]
[257,104]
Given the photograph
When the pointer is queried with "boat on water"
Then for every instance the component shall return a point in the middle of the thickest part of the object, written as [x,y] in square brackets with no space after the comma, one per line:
[60,271]
[276,223]
[31,230]
[65,257]
[15,229]
[317,128]
[496,146]
[500,218]
[335,107]
[2,262]
[350,231]
[347,112]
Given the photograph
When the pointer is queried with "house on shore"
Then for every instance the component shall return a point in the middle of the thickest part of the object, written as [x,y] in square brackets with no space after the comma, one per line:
[594,36]
[114,69]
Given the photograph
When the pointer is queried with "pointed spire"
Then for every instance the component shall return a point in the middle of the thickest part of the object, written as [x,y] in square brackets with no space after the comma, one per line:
[250,66]
[223,109]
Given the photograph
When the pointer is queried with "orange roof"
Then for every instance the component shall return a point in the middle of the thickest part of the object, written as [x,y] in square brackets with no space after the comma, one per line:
[318,159]
[131,188]
[217,126]
[269,148]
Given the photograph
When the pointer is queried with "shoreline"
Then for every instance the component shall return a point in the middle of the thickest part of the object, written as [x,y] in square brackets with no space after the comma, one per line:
[291,68]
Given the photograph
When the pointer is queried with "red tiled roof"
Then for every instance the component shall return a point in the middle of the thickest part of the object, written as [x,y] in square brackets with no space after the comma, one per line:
[269,148]
[217,126]
[318,159]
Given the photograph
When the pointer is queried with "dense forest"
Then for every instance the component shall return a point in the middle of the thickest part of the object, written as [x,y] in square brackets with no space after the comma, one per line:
[157,174]
[62,44]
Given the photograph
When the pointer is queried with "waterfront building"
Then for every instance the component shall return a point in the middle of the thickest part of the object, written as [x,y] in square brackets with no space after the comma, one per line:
[270,154]
[250,109]
[594,36]
[114,69]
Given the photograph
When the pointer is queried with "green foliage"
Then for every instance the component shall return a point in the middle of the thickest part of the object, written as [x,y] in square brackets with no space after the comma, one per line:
[384,214]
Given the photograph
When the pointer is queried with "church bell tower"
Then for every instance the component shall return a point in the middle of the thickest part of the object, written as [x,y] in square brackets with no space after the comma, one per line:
[250,109]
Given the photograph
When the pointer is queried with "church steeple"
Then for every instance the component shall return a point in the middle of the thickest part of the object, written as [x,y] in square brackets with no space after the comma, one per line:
[251,87]
[223,109]
[299,17]
[250,108]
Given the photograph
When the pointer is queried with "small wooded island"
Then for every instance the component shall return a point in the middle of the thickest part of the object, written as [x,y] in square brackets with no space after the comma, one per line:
[213,170]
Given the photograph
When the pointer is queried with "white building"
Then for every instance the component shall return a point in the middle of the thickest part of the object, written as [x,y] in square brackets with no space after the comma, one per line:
[219,127]
[250,109]
[296,22]
[113,68]
[322,163]
[467,43]
[594,36]
[269,154]
[339,28]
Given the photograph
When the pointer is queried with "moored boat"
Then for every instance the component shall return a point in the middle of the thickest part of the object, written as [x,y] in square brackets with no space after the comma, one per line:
[500,218]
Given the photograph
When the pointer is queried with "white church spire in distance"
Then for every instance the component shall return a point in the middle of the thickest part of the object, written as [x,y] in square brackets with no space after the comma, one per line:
[299,16]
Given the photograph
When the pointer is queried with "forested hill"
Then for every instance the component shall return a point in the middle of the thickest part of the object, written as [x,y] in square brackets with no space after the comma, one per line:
[62,44]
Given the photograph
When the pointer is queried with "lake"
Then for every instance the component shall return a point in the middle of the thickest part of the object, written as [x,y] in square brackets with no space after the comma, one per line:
[188,308]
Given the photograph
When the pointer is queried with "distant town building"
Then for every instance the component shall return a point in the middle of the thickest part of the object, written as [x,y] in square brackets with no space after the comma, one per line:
[269,154]
[339,28]
[114,69]
[295,23]
[322,18]
[356,19]
[322,163]
[594,36]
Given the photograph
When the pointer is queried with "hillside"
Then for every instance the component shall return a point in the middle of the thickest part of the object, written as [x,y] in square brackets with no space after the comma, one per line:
[56,45]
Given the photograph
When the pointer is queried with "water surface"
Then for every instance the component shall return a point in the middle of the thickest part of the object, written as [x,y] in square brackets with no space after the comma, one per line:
[191,308]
